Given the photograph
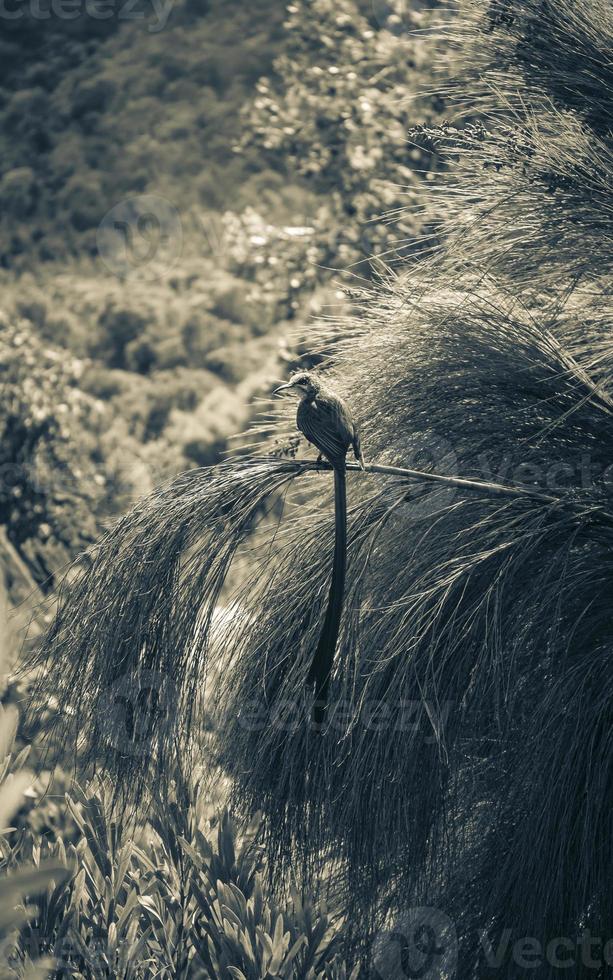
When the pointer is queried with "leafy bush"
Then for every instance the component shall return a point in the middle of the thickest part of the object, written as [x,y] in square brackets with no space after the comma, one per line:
[81,200]
[23,878]
[336,112]
[185,898]
[18,192]
[118,327]
[49,482]
[84,894]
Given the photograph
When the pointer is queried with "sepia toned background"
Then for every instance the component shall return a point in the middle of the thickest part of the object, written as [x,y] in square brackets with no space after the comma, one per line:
[196,198]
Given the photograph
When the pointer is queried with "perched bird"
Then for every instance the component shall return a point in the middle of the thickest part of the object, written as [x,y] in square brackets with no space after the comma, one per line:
[327,423]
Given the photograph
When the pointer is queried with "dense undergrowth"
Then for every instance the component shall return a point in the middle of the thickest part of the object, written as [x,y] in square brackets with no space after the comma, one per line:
[185,897]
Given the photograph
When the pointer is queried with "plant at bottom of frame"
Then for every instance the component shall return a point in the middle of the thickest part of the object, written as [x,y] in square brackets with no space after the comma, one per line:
[28,883]
[239,931]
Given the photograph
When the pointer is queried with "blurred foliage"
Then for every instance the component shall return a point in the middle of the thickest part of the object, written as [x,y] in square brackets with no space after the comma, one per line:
[110,384]
[51,477]
[337,111]
[24,875]
[278,143]
[94,109]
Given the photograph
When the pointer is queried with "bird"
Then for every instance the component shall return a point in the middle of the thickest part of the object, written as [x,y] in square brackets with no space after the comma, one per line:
[328,424]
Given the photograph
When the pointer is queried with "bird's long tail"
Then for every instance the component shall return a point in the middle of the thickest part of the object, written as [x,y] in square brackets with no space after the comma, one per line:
[321,667]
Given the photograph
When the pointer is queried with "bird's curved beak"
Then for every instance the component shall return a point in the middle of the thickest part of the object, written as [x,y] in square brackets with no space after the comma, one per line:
[284,387]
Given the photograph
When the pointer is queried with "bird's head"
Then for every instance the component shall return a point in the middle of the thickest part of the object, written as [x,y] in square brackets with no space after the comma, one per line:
[302,383]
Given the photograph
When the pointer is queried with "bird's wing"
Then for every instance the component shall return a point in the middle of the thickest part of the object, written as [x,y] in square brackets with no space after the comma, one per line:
[324,425]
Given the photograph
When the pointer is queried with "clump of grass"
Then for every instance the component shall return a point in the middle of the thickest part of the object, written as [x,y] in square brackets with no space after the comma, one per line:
[530,100]
[556,53]
[463,607]
[130,643]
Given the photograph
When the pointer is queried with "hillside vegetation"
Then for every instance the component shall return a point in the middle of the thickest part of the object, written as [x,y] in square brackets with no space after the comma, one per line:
[177,202]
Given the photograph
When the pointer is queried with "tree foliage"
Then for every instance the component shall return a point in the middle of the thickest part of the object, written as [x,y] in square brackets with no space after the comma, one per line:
[337,111]
[50,480]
